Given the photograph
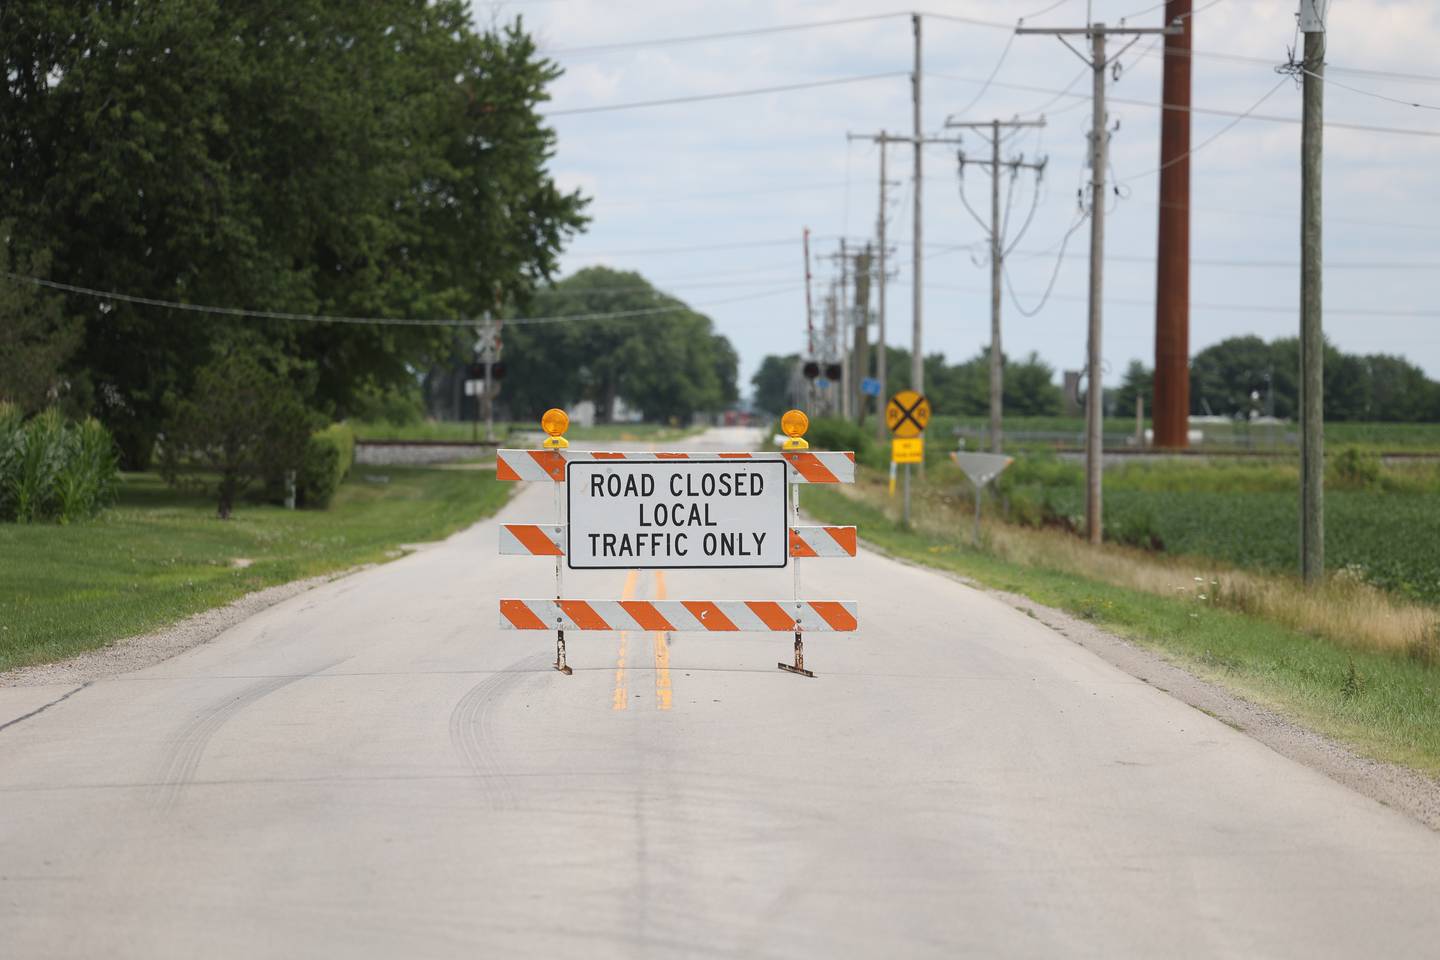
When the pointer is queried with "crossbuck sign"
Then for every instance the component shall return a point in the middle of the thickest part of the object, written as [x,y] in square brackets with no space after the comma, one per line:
[669,514]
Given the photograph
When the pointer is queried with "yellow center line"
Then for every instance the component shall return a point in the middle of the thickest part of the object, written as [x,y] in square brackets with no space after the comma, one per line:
[622,696]
[662,653]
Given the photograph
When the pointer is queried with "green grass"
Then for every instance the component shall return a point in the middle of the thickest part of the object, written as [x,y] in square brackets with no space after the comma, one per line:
[160,555]
[465,431]
[1384,705]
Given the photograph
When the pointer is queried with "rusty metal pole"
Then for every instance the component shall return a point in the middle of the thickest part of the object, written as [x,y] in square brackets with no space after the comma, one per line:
[1170,407]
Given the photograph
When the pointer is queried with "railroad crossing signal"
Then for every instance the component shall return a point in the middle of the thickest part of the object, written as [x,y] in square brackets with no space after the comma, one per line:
[907,413]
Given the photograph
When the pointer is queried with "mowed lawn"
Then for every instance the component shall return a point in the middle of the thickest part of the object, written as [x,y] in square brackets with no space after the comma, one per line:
[159,554]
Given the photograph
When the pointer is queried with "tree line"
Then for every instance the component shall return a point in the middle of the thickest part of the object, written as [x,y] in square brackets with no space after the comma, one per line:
[959,389]
[1238,377]
[1245,376]
[379,159]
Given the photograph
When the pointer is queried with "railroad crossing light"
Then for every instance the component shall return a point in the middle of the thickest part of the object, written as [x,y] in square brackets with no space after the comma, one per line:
[811,369]
[475,371]
[794,424]
[497,370]
[555,422]
[833,371]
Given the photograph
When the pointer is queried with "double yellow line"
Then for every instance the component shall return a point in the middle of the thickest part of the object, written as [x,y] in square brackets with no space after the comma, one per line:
[661,649]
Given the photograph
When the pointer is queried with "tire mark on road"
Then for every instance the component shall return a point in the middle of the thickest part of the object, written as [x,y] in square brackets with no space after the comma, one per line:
[472,731]
[184,756]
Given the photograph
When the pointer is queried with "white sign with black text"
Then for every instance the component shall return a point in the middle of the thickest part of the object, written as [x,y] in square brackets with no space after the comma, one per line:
[673,514]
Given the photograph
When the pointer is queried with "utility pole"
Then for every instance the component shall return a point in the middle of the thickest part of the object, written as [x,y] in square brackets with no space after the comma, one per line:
[882,374]
[1312,344]
[997,253]
[1099,150]
[917,291]
[859,355]
[809,324]
[1170,406]
[842,333]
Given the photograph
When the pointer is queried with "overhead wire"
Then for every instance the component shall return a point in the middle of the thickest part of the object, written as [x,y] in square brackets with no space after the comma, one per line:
[728,94]
[1054,275]
[1331,81]
[208,309]
[725,34]
[1206,111]
[1210,139]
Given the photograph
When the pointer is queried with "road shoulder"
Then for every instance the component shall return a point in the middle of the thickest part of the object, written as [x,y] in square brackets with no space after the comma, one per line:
[1390,784]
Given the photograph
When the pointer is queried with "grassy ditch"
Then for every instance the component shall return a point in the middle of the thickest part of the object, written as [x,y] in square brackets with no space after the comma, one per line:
[1259,636]
[160,554]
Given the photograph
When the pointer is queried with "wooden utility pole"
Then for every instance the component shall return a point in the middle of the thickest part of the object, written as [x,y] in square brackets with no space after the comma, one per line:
[860,353]
[1099,151]
[1170,407]
[997,254]
[883,139]
[917,291]
[1312,343]
[842,347]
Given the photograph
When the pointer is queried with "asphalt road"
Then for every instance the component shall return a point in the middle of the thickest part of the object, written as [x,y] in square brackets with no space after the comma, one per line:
[373,769]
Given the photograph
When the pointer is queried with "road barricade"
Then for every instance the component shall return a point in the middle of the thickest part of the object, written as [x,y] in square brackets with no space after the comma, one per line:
[646,510]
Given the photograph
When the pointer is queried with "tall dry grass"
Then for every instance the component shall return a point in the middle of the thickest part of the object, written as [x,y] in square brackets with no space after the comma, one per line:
[1344,610]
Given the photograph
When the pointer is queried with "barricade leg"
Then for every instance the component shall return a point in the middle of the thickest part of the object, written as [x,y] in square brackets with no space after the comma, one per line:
[560,663]
[799,665]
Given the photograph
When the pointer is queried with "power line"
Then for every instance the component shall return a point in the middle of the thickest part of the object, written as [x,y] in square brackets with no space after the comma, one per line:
[725,34]
[697,248]
[729,94]
[1331,81]
[364,321]
[1054,274]
[1210,111]
[1213,137]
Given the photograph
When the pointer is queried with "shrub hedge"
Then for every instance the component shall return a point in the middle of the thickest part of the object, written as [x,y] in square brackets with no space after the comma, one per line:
[328,458]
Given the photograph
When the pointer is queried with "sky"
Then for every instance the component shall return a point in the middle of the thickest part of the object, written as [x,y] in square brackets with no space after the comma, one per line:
[708,199]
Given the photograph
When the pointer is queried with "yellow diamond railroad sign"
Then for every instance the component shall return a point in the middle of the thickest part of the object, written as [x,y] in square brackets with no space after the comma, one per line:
[907,413]
[907,450]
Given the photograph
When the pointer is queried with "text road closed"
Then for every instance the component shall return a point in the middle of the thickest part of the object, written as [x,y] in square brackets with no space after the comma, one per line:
[697,513]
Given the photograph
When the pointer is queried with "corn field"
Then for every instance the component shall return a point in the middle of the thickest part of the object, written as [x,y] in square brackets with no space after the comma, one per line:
[52,469]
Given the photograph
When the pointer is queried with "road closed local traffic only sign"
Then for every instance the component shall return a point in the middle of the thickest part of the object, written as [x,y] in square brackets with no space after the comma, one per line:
[673,514]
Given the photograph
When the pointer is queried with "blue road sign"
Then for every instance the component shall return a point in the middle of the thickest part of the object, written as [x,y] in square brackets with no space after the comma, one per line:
[870,387]
[821,382]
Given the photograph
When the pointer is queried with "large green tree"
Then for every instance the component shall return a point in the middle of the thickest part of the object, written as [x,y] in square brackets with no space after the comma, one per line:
[616,337]
[380,158]
[1243,374]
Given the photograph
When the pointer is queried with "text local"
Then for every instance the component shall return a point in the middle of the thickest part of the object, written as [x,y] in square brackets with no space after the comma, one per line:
[670,543]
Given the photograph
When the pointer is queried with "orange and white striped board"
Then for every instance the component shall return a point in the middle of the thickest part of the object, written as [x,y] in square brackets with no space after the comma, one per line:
[822,541]
[548,540]
[678,616]
[806,466]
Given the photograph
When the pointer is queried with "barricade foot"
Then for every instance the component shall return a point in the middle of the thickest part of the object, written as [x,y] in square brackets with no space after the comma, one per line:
[799,665]
[560,663]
